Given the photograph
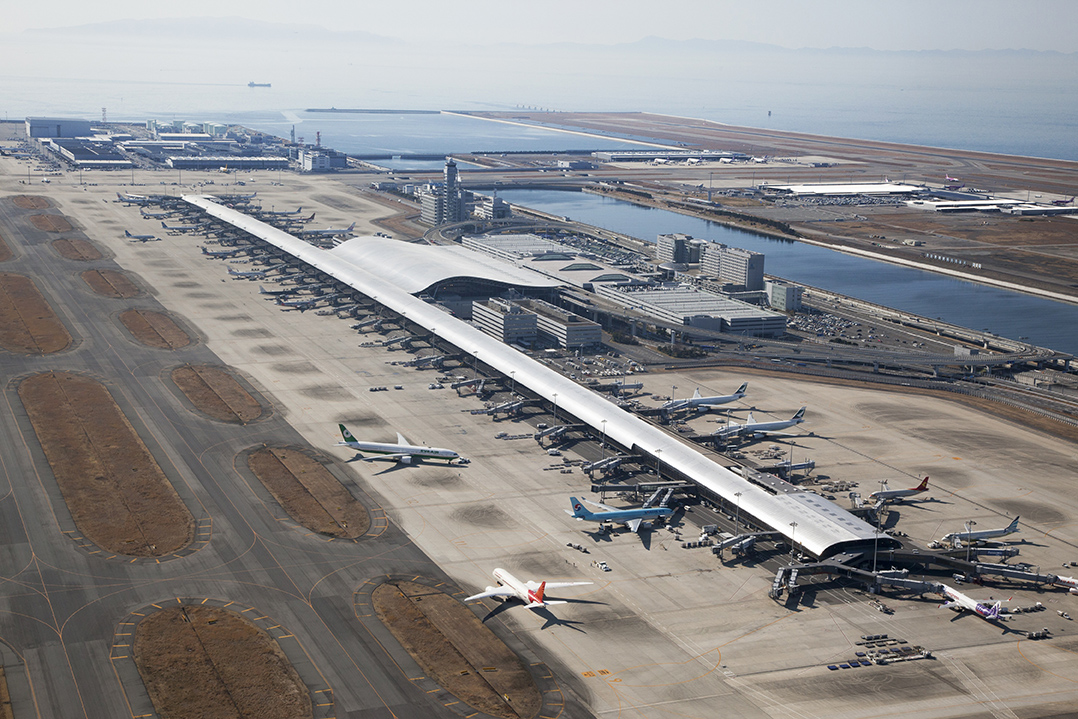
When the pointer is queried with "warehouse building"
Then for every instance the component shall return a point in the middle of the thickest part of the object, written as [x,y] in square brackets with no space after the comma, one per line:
[692,307]
[57,127]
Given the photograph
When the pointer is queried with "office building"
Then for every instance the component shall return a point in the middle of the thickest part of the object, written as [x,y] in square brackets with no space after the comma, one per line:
[505,320]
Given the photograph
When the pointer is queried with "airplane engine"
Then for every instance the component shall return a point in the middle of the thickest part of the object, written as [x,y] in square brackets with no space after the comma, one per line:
[406,460]
[1074,590]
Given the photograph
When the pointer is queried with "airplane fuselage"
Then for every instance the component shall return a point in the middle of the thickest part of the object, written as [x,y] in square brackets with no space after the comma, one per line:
[398,449]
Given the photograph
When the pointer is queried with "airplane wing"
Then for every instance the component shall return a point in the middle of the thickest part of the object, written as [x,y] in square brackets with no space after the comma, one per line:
[558,585]
[765,433]
[634,524]
[545,602]
[500,592]
[393,457]
[607,507]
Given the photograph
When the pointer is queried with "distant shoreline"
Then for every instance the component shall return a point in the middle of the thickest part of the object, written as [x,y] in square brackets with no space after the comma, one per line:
[365,111]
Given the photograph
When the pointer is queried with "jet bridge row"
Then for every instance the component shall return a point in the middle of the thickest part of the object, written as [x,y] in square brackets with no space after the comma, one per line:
[811,522]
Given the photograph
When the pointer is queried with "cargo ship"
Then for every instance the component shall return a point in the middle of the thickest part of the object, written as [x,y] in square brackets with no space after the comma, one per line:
[259,84]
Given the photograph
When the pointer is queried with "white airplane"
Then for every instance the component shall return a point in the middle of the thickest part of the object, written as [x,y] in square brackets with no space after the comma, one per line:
[254,274]
[139,238]
[531,593]
[1070,582]
[888,495]
[402,452]
[956,537]
[754,429]
[329,231]
[697,401]
[963,603]
[132,199]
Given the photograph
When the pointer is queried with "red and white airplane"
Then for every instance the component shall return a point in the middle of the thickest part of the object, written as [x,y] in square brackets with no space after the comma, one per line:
[890,495]
[531,593]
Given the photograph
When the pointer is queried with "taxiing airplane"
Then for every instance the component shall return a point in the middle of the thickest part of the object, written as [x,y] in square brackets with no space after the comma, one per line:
[329,231]
[963,603]
[533,594]
[754,429]
[402,451]
[631,518]
[132,199]
[139,238]
[956,537]
[894,495]
[952,179]
[697,401]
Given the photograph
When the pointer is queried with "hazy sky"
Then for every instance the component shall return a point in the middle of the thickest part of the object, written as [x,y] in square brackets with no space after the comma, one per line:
[905,25]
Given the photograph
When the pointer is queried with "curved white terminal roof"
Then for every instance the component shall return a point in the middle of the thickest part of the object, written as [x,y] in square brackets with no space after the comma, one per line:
[414,268]
[812,522]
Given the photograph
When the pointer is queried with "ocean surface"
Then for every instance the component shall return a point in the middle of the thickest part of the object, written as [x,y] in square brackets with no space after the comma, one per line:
[1010,314]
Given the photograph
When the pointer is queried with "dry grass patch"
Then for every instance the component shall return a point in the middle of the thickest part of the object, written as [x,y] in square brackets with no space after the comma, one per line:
[5,698]
[309,493]
[216,393]
[457,650]
[27,322]
[78,250]
[51,223]
[199,662]
[5,251]
[117,494]
[111,283]
[31,202]
[154,329]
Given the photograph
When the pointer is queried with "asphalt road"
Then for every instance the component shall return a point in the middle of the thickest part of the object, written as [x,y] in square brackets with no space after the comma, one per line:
[66,607]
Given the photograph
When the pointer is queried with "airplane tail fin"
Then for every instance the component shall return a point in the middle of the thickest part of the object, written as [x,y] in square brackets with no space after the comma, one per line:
[163,224]
[993,613]
[748,420]
[536,597]
[741,390]
[346,434]
[1013,526]
[800,414]
[923,485]
[127,233]
[351,227]
[579,511]
[696,393]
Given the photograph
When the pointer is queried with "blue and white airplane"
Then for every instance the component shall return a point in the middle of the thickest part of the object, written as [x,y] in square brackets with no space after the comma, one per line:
[632,518]
[140,238]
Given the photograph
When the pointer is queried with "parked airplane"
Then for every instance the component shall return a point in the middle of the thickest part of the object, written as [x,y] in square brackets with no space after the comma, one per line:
[1070,582]
[155,215]
[402,451]
[952,179]
[1063,203]
[631,518]
[955,537]
[532,594]
[301,305]
[223,253]
[754,429]
[963,603]
[132,199]
[283,213]
[184,228]
[254,274]
[277,293]
[329,231]
[140,238]
[889,495]
[696,400]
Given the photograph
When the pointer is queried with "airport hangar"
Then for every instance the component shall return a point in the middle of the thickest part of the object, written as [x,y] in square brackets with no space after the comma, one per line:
[810,522]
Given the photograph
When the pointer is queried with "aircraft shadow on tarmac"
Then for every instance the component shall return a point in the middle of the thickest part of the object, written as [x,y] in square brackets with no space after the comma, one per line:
[550,620]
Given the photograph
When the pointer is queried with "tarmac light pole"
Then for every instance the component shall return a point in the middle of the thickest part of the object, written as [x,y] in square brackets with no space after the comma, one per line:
[513,382]
[555,420]
[969,536]
[793,542]
[737,514]
[603,443]
[658,465]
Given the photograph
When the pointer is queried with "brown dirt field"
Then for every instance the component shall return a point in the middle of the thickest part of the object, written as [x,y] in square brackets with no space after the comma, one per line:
[457,650]
[309,493]
[215,392]
[76,249]
[199,662]
[5,698]
[111,283]
[27,322]
[154,329]
[116,493]
[5,251]
[51,223]
[31,202]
